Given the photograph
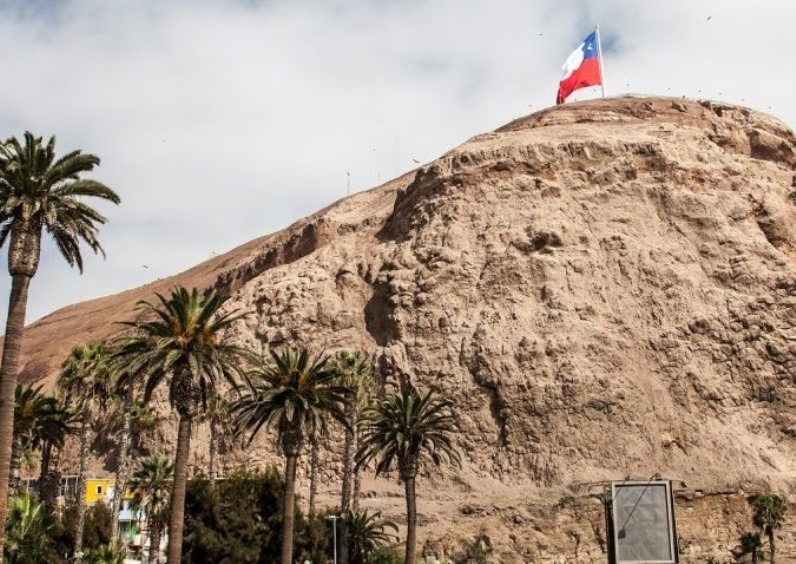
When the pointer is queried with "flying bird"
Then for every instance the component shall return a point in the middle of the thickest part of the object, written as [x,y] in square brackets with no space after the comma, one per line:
[415,161]
[145,265]
[709,17]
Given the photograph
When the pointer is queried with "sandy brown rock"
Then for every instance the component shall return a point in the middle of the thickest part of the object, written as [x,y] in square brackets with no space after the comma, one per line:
[604,289]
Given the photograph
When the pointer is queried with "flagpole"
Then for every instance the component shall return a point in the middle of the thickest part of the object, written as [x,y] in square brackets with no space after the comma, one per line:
[600,58]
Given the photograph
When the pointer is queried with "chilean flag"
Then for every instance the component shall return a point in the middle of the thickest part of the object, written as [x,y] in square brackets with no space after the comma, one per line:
[582,68]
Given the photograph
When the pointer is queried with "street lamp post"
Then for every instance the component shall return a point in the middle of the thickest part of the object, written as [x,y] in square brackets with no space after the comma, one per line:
[333,519]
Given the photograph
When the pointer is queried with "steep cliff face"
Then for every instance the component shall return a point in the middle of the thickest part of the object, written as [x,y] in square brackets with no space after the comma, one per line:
[604,289]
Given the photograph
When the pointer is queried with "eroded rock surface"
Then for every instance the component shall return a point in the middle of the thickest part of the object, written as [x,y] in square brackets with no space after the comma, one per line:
[604,289]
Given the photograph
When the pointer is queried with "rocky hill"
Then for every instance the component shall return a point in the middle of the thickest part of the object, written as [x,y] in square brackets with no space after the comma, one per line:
[604,289]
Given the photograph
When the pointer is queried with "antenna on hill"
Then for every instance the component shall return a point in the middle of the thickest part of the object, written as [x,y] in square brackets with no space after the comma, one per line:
[348,186]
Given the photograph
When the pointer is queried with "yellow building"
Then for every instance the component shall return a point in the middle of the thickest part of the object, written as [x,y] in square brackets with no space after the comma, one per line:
[99,489]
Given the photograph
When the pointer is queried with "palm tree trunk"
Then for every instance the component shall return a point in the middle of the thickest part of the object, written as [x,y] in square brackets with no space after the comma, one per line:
[411,520]
[357,489]
[12,344]
[348,464]
[357,475]
[289,508]
[121,470]
[154,541]
[213,452]
[46,456]
[770,531]
[174,552]
[82,485]
[49,481]
[313,472]
[16,462]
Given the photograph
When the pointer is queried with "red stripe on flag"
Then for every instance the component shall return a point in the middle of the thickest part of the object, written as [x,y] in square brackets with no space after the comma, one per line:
[587,74]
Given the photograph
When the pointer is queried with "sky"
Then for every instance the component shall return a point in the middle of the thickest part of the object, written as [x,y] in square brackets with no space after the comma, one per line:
[219,121]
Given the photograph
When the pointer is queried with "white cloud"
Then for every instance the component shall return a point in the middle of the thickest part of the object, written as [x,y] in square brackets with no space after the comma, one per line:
[218,122]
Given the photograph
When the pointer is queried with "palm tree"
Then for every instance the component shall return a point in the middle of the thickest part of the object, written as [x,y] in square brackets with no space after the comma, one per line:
[355,371]
[217,417]
[49,476]
[151,486]
[28,540]
[293,396]
[106,554]
[410,430]
[137,417]
[86,382]
[368,532]
[124,400]
[145,422]
[769,513]
[39,420]
[38,192]
[183,345]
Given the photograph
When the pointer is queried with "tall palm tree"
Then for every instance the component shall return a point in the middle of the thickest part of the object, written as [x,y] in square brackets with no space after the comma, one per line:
[124,400]
[217,417]
[368,532]
[85,380]
[39,420]
[355,371]
[409,430]
[137,418]
[145,423]
[49,476]
[183,345]
[293,395]
[769,513]
[151,486]
[38,192]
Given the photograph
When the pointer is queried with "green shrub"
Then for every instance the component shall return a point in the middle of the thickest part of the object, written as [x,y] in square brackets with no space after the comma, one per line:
[241,521]
[27,533]
[386,555]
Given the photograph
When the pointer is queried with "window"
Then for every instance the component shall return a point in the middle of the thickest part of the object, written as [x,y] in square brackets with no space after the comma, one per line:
[99,490]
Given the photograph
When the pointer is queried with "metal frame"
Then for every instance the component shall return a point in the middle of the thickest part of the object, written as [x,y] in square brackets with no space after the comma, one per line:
[611,519]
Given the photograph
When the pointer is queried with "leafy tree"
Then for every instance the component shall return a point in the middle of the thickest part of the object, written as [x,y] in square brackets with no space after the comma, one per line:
[96,530]
[151,485]
[409,430]
[85,379]
[240,520]
[38,192]
[39,419]
[769,513]
[27,534]
[184,345]
[293,395]
[355,371]
[368,533]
